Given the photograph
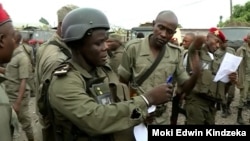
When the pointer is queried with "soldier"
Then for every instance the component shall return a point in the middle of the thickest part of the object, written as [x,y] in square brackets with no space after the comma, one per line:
[228,95]
[7,46]
[200,103]
[49,56]
[29,50]
[187,40]
[80,94]
[116,49]
[244,78]
[18,72]
[140,55]
[140,35]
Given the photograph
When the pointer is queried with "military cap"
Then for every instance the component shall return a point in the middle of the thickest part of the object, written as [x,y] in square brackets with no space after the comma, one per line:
[4,16]
[245,39]
[218,33]
[63,11]
[115,36]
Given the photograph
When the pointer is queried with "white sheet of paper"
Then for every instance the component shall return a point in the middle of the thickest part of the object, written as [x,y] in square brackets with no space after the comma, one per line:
[141,131]
[229,64]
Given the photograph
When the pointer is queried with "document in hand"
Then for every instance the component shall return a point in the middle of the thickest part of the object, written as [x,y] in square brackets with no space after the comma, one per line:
[229,64]
[141,131]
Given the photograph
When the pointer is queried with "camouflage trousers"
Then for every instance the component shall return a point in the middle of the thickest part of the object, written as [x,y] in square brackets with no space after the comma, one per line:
[229,95]
[199,111]
[25,119]
[244,94]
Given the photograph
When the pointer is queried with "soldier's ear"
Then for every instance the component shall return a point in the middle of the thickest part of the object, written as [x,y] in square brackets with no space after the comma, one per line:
[153,23]
[1,40]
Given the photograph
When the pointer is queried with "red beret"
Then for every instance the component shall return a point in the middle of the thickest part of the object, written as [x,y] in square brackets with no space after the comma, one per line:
[4,16]
[218,34]
[245,39]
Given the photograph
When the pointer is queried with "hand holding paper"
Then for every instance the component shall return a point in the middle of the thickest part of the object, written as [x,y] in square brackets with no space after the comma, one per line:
[229,64]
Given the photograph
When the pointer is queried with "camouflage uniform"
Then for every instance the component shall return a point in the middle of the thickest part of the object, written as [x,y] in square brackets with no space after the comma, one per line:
[30,53]
[5,110]
[200,103]
[84,115]
[137,59]
[228,96]
[115,56]
[48,57]
[20,68]
[244,79]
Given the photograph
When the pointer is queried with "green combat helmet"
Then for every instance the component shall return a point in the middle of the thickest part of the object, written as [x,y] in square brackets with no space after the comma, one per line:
[79,21]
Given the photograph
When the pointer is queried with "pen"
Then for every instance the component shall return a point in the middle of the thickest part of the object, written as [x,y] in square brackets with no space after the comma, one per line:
[169,79]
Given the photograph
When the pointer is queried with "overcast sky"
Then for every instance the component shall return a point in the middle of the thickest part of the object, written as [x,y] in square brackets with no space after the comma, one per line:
[126,13]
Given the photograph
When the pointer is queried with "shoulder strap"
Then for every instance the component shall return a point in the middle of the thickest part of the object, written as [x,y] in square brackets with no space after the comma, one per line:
[64,50]
[144,76]
[29,55]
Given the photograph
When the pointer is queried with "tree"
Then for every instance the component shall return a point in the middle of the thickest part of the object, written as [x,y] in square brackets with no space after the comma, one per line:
[240,16]
[44,21]
[118,30]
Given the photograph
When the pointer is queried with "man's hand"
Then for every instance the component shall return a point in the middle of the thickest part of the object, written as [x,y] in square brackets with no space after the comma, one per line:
[233,77]
[159,94]
[16,106]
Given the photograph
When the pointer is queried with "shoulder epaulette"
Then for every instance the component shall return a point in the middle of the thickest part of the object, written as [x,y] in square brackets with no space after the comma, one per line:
[62,69]
[230,49]
[132,42]
[174,46]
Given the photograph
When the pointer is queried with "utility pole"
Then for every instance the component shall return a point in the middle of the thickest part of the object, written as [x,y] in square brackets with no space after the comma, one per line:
[231,10]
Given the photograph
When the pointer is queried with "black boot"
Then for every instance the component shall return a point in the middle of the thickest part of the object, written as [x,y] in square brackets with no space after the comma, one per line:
[224,113]
[239,117]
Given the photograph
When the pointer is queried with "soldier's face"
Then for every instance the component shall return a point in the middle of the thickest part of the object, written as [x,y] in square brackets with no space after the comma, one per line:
[187,40]
[213,43]
[163,32]
[7,42]
[94,49]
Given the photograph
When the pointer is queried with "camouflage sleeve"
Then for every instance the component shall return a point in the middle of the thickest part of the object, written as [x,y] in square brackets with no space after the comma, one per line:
[181,73]
[5,118]
[51,63]
[124,69]
[239,52]
[69,98]
[24,67]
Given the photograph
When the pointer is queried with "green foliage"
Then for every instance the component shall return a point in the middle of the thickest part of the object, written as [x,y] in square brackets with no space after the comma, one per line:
[240,16]
[44,21]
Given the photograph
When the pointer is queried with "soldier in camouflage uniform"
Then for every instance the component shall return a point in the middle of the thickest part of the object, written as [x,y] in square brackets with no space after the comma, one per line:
[228,95]
[48,57]
[116,49]
[7,46]
[200,103]
[29,50]
[86,98]
[244,78]
[18,72]
[140,54]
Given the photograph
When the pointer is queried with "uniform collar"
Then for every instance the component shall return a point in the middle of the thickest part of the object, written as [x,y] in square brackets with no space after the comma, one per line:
[88,71]
[17,51]
[57,38]
[145,48]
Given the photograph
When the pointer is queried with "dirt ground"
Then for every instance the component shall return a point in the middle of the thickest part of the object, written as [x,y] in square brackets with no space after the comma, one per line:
[231,120]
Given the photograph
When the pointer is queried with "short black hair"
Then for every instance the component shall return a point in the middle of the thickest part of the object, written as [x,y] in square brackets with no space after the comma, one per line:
[140,35]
